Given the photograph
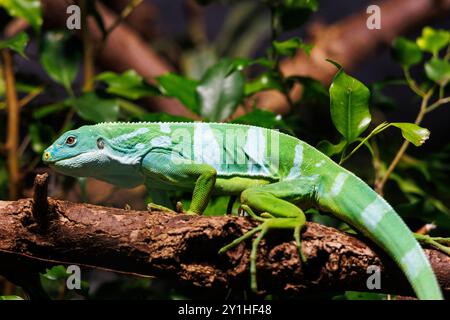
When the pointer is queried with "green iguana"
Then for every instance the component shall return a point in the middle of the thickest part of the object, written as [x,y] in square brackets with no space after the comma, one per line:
[275,175]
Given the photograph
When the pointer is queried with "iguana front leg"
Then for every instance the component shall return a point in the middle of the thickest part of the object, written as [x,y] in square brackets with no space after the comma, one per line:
[172,170]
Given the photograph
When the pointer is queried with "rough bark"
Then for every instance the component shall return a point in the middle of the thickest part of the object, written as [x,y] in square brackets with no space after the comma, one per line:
[185,248]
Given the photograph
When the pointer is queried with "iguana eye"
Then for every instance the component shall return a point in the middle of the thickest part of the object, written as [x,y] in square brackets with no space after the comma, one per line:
[100,143]
[71,140]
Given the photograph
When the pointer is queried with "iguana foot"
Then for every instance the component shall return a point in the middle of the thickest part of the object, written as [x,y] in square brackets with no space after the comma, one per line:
[180,209]
[268,222]
[156,207]
[441,244]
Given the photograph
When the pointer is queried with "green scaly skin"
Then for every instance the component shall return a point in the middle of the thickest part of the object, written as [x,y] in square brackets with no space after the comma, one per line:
[276,176]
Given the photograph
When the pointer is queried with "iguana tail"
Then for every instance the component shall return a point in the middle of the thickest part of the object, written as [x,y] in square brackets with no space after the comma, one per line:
[353,201]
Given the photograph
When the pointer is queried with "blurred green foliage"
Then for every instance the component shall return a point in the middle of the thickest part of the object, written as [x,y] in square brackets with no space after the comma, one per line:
[221,75]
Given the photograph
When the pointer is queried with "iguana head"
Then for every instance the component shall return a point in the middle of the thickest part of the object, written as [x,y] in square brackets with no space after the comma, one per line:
[76,152]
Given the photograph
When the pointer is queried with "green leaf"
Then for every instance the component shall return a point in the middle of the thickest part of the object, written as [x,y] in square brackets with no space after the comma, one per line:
[438,70]
[46,110]
[30,10]
[433,40]
[440,206]
[422,166]
[294,13]
[263,118]
[290,47]
[406,52]
[412,132]
[243,30]
[60,57]
[11,298]
[356,295]
[56,273]
[265,81]
[94,108]
[349,104]
[195,62]
[220,91]
[331,149]
[313,90]
[132,109]
[181,88]
[129,85]
[17,43]
[309,4]
[407,185]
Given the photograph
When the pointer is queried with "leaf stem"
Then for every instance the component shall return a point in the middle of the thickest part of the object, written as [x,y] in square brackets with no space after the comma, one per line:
[412,83]
[379,185]
[123,15]
[377,165]
[437,104]
[12,140]
[33,94]
[195,25]
[132,4]
[375,131]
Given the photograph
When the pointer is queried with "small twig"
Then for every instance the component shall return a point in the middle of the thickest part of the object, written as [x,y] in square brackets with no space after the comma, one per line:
[195,26]
[423,109]
[412,83]
[426,228]
[25,142]
[376,162]
[123,15]
[40,202]
[437,104]
[88,49]
[33,94]
[12,142]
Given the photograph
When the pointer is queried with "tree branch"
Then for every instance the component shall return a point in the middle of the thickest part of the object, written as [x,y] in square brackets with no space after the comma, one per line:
[185,248]
[12,142]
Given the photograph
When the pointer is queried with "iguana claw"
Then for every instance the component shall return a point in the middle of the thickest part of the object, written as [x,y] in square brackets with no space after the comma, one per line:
[156,207]
[268,222]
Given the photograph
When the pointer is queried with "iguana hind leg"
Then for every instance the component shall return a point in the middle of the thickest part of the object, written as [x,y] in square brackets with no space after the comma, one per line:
[272,202]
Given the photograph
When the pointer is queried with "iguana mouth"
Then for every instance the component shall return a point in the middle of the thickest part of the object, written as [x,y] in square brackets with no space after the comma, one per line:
[55,162]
